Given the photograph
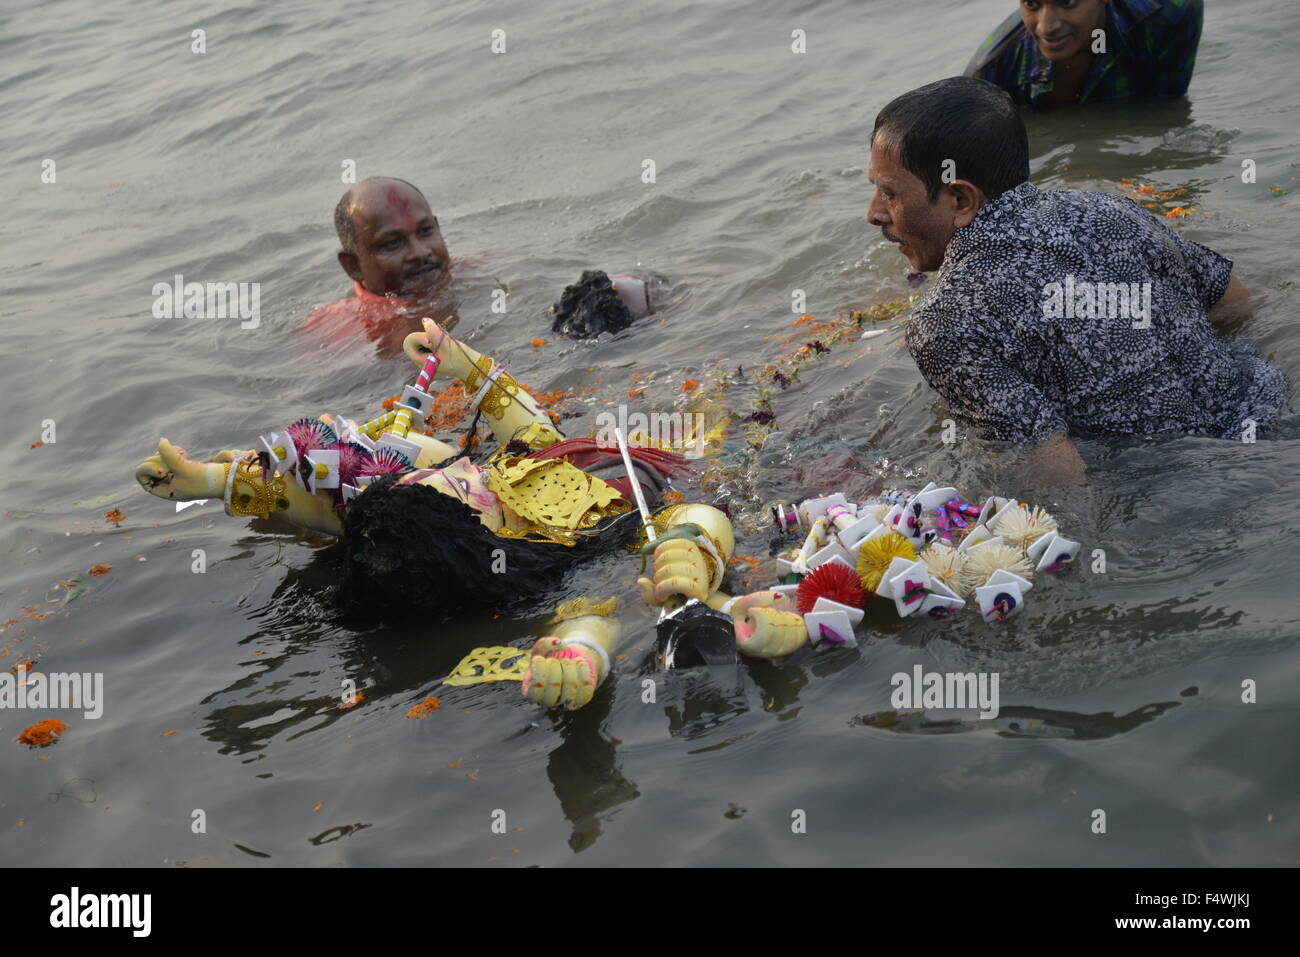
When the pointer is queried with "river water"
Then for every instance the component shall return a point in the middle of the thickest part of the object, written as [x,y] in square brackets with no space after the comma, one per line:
[1121,690]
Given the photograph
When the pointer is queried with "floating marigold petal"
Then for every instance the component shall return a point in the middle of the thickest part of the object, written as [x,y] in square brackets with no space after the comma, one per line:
[425,708]
[353,701]
[43,733]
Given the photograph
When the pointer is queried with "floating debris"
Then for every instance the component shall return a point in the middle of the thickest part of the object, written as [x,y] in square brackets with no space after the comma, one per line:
[43,733]
[425,708]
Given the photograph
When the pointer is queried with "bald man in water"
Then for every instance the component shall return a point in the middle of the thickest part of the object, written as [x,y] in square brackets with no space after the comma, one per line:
[393,251]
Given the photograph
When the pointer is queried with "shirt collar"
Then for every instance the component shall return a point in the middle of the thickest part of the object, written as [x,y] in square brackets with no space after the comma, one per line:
[1125,16]
[365,295]
[990,219]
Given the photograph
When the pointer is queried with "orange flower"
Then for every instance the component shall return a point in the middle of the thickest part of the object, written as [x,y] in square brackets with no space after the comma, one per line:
[449,406]
[636,393]
[357,698]
[553,397]
[1177,212]
[672,497]
[43,733]
[690,385]
[21,666]
[35,445]
[97,570]
[537,343]
[114,516]
[425,708]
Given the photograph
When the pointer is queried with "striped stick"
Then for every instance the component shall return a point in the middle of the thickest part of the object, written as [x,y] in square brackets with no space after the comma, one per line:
[375,427]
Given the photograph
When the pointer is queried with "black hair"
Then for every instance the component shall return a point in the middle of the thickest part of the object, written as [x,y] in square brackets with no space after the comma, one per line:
[963,119]
[343,211]
[589,307]
[411,546]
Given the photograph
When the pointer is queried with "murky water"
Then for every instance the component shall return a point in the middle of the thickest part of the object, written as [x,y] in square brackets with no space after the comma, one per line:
[1120,691]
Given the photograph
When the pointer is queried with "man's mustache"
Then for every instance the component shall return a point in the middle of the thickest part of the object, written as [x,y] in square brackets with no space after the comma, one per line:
[417,269]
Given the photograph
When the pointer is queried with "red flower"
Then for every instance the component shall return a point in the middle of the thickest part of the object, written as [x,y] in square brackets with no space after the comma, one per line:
[834,581]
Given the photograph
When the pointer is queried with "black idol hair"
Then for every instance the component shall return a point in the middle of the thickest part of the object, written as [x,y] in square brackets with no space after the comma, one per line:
[589,307]
[413,547]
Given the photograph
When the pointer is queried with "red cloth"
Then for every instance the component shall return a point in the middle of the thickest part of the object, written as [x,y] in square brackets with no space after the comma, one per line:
[588,453]
[358,318]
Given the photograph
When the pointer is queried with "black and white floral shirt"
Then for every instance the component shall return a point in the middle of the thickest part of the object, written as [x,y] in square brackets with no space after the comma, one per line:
[1027,331]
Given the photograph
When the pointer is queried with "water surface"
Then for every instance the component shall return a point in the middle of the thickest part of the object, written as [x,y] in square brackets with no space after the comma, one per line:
[1120,691]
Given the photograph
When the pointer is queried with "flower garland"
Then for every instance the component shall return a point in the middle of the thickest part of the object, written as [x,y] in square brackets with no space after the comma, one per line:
[930,552]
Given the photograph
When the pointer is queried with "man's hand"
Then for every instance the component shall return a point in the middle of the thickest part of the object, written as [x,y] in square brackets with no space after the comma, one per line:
[1055,462]
[1237,302]
[170,473]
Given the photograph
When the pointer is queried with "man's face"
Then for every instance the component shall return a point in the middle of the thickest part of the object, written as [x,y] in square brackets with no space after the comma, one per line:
[904,214]
[398,247]
[1062,28]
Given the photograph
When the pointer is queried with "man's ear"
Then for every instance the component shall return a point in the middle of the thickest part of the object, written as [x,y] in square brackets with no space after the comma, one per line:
[966,201]
[351,264]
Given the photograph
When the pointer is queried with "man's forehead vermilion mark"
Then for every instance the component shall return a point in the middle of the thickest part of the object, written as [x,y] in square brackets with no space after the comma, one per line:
[401,204]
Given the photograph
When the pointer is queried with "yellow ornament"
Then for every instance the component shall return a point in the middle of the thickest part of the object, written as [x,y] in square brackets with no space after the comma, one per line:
[501,663]
[557,499]
[578,607]
[876,556]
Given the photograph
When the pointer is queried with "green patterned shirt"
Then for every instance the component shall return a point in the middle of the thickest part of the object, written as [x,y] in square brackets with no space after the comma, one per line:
[1150,51]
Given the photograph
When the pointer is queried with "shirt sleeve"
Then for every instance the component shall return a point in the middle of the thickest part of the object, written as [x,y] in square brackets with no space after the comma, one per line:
[1172,43]
[989,61]
[970,367]
[1205,271]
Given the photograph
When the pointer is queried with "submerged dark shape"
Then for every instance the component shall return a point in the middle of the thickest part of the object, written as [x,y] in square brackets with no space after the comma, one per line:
[589,307]
[696,635]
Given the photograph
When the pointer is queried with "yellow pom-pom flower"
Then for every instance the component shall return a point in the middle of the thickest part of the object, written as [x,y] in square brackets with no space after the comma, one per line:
[876,556]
